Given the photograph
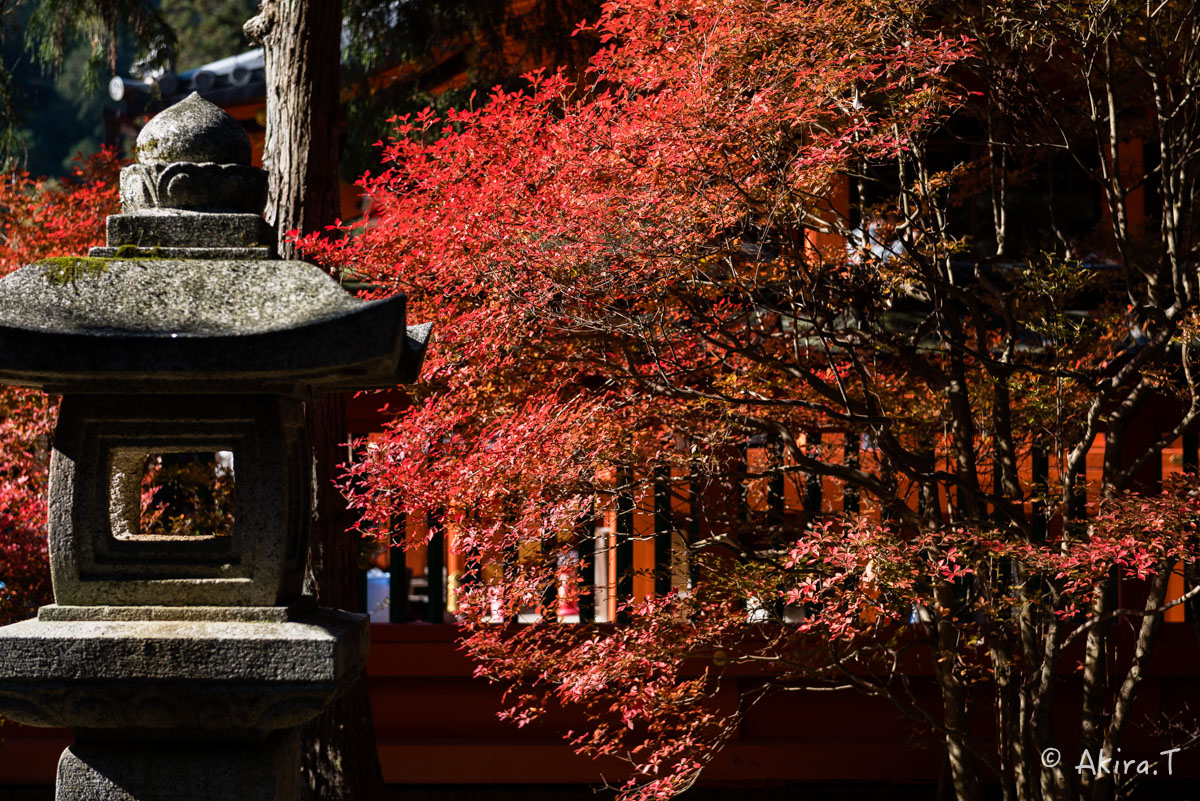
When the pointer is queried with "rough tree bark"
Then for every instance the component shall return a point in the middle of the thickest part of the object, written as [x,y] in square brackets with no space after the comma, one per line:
[302,43]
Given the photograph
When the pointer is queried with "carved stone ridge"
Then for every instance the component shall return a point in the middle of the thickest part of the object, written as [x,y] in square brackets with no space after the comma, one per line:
[193,187]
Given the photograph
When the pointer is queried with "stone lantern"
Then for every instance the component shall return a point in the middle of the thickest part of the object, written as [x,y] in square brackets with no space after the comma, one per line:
[185,663]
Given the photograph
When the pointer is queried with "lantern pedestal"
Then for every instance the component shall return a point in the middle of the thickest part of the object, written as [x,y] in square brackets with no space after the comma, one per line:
[96,768]
[191,708]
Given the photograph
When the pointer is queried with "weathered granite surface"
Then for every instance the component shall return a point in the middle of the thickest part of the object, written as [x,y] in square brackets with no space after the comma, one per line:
[319,647]
[98,556]
[193,156]
[170,228]
[186,297]
[193,130]
[197,187]
[94,335]
[97,769]
[183,676]
[292,612]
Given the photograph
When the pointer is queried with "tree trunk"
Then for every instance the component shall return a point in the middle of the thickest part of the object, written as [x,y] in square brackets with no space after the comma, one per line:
[339,760]
[1143,650]
[302,44]
[963,769]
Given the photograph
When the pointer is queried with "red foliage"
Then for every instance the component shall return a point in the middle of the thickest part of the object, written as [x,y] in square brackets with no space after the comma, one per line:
[578,249]
[545,229]
[628,278]
[39,218]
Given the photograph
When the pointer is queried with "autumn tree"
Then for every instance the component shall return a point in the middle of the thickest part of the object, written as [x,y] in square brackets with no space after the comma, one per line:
[743,231]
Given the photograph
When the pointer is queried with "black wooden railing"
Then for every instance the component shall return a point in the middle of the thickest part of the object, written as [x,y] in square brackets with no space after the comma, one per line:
[425,597]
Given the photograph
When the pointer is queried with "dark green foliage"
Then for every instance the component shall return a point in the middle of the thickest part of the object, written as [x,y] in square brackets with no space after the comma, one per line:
[57,52]
[55,26]
[209,29]
[51,97]
[9,139]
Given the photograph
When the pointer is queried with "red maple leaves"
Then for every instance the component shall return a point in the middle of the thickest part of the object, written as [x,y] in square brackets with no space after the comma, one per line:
[39,218]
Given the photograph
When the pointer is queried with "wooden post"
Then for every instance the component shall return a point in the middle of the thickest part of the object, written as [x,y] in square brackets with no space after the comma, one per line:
[775,488]
[586,548]
[850,495]
[398,611]
[549,612]
[624,545]
[1191,452]
[812,485]
[695,512]
[435,559]
[1040,470]
[662,531]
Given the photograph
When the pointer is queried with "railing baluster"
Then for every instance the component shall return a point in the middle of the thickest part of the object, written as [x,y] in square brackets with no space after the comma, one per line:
[929,503]
[1040,473]
[812,483]
[776,511]
[1191,452]
[695,512]
[586,548]
[850,494]
[775,487]
[398,610]
[550,593]
[663,531]
[624,556]
[742,489]
[361,542]
[435,559]
[355,448]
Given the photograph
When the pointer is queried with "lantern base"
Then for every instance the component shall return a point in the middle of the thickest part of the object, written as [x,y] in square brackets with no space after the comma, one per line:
[172,679]
[104,767]
[297,610]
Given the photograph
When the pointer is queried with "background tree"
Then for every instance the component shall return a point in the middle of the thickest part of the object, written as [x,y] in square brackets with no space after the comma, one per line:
[87,38]
[302,48]
[634,275]
[212,29]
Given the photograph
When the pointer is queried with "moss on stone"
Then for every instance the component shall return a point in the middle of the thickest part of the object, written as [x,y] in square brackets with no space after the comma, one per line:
[136,252]
[64,270]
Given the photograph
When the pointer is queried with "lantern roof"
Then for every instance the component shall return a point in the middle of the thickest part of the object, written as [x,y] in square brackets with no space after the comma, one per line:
[187,296]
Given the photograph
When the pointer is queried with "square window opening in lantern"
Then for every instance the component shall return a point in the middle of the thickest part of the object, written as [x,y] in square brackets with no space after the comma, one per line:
[179,495]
